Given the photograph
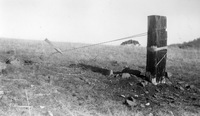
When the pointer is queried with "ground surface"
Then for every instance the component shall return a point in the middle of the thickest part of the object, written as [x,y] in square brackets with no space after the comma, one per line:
[35,83]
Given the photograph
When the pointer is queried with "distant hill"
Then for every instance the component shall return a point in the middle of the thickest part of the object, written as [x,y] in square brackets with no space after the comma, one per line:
[191,44]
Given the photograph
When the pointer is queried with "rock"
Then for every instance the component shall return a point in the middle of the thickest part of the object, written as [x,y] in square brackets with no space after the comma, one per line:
[147,104]
[126,75]
[146,92]
[42,107]
[142,105]
[167,81]
[154,81]
[50,113]
[150,114]
[168,74]
[123,96]
[109,72]
[142,83]
[131,101]
[187,86]
[181,88]
[136,95]
[192,86]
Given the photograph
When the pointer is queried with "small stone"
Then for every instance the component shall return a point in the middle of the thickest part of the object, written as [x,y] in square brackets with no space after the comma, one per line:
[146,92]
[122,96]
[42,107]
[126,75]
[136,95]
[150,114]
[50,113]
[142,105]
[168,75]
[147,104]
[154,81]
[192,86]
[110,72]
[131,101]
[180,82]
[167,81]
[181,88]
[144,83]
[187,86]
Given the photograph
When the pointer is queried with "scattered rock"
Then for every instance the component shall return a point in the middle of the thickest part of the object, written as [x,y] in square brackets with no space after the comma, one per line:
[136,96]
[142,83]
[146,92]
[123,96]
[50,113]
[187,86]
[131,71]
[109,72]
[42,107]
[150,114]
[154,81]
[147,104]
[167,81]
[168,74]
[192,86]
[142,105]
[180,82]
[130,101]
[126,75]
[181,88]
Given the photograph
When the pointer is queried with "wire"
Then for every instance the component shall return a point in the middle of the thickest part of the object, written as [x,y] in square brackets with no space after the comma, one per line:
[133,36]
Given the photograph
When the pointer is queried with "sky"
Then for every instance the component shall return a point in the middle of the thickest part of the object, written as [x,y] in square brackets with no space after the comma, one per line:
[94,21]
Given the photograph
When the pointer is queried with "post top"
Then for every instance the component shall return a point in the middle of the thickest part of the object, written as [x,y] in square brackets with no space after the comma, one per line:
[156,16]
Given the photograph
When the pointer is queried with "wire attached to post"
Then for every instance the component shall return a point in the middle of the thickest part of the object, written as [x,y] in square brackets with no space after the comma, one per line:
[133,36]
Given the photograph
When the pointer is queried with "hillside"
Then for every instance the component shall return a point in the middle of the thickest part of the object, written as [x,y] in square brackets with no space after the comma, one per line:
[35,82]
[191,44]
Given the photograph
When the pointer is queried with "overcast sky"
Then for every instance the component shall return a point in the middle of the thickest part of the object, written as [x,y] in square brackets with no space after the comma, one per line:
[93,21]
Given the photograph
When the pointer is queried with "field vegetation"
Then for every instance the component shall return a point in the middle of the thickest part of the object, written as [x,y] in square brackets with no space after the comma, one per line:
[35,82]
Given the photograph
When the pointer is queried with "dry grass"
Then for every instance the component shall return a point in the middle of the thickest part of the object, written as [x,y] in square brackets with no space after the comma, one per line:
[50,87]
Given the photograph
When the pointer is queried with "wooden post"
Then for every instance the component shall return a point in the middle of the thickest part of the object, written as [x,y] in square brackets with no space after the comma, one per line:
[156,49]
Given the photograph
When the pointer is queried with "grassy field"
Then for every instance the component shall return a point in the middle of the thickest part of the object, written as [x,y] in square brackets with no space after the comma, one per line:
[37,83]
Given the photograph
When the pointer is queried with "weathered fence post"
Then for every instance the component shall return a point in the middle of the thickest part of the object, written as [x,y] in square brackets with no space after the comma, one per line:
[156,49]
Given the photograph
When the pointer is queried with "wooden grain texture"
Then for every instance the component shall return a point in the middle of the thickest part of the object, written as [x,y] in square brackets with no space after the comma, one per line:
[157,38]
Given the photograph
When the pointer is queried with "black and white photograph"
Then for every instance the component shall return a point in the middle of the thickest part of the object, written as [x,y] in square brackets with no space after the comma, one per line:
[99,58]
